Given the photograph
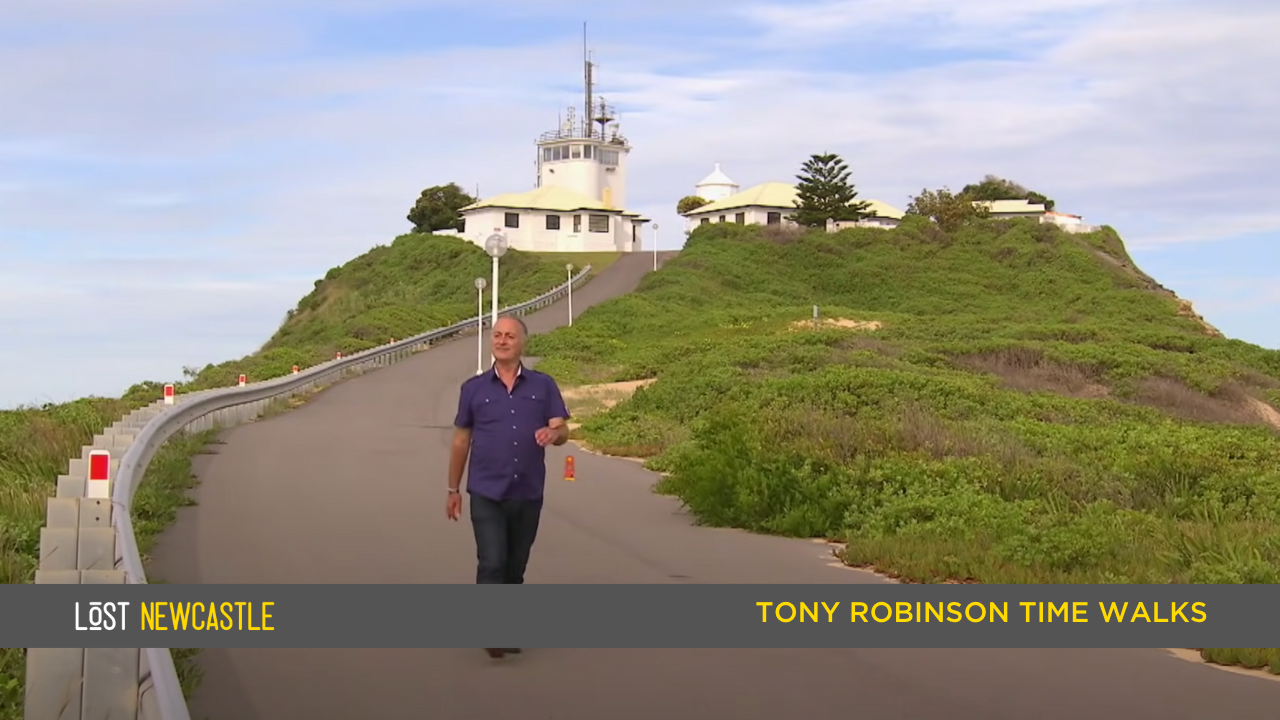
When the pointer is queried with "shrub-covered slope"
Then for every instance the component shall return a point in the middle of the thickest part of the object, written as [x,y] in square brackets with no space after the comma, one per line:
[1009,403]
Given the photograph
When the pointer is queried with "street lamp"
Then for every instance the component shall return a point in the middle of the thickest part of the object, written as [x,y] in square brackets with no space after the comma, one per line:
[496,246]
[655,246]
[480,283]
[568,268]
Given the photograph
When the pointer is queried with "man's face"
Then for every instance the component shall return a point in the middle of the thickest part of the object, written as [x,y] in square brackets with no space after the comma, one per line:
[508,340]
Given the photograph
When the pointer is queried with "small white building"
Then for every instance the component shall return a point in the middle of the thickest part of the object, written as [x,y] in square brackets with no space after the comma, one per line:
[578,203]
[553,219]
[1005,209]
[716,186]
[1069,223]
[773,203]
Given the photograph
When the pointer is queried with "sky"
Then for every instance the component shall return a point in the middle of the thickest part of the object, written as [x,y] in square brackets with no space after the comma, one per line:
[175,176]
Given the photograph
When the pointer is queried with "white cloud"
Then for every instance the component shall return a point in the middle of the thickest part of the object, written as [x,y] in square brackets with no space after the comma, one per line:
[182,133]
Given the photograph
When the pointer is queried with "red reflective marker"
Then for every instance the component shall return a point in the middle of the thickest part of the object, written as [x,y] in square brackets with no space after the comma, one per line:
[339,357]
[295,369]
[99,481]
[168,394]
[242,379]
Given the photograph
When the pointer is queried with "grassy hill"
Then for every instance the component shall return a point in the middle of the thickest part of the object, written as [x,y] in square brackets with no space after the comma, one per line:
[416,284]
[1023,406]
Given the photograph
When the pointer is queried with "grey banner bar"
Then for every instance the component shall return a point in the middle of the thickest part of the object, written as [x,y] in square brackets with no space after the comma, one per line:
[640,616]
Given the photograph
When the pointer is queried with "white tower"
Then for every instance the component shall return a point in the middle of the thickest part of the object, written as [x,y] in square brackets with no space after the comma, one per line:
[587,154]
[716,186]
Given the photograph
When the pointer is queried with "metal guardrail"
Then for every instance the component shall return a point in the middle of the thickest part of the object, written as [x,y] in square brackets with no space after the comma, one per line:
[89,540]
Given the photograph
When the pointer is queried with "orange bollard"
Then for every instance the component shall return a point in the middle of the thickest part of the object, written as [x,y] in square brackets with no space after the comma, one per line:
[568,469]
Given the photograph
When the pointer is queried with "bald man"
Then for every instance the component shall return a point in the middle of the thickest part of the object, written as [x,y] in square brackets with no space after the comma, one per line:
[506,418]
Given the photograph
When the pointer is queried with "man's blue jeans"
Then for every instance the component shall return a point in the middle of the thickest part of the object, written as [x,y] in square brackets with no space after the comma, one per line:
[505,531]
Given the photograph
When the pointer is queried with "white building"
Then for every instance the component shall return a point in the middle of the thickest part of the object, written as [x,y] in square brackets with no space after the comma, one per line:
[772,203]
[716,186]
[1005,209]
[1069,223]
[578,204]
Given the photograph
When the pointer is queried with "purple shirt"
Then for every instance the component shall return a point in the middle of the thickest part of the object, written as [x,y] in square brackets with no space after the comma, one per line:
[506,460]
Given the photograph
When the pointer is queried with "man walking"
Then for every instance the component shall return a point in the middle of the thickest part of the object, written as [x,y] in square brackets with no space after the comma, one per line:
[506,418]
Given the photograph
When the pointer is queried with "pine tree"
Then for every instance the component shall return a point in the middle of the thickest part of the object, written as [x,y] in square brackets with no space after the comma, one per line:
[825,193]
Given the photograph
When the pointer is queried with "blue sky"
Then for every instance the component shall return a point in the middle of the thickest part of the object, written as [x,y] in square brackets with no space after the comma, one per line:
[174,176]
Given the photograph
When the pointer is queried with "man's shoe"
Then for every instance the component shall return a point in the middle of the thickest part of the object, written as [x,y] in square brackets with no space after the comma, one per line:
[496,653]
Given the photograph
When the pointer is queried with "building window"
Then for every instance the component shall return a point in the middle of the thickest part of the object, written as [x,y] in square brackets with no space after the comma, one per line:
[513,220]
[575,151]
[721,218]
[740,218]
[560,152]
[462,224]
[577,223]
[608,157]
[705,221]
[598,223]
[775,218]
[586,151]
[553,222]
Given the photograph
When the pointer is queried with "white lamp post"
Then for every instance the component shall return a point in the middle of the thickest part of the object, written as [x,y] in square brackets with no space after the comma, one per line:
[496,246]
[480,283]
[655,246]
[569,270]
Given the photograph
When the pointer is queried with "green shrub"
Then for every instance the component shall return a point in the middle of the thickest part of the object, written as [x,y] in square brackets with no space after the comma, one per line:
[1034,408]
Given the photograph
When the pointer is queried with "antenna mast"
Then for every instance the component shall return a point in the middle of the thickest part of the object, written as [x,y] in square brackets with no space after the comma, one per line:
[586,71]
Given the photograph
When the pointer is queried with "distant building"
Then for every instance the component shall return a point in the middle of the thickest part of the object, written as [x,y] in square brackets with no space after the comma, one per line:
[716,186]
[1069,223]
[579,201]
[1005,209]
[770,203]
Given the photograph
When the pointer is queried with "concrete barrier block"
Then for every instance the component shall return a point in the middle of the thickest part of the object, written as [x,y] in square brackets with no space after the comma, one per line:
[101,577]
[72,486]
[62,512]
[79,467]
[94,512]
[59,548]
[54,677]
[96,549]
[114,443]
[111,683]
[57,577]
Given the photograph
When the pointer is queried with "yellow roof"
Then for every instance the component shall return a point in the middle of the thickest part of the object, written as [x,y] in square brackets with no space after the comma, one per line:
[1010,206]
[550,197]
[781,195]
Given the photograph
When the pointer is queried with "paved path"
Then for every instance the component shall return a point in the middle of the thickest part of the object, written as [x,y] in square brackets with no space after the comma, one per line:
[348,489]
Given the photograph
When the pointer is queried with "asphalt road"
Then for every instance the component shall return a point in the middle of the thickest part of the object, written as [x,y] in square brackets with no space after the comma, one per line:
[348,489]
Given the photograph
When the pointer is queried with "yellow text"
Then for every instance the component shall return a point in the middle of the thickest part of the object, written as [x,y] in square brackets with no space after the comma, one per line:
[206,616]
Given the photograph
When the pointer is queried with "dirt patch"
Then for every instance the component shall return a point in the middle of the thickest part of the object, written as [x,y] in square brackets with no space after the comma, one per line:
[587,400]
[1268,414]
[1186,310]
[1230,404]
[844,323]
[1028,370]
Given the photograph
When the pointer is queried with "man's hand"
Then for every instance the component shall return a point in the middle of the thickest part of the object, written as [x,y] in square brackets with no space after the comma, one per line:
[545,436]
[556,433]
[453,506]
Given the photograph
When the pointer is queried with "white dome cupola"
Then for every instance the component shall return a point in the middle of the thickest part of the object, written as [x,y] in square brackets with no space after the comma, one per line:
[716,186]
